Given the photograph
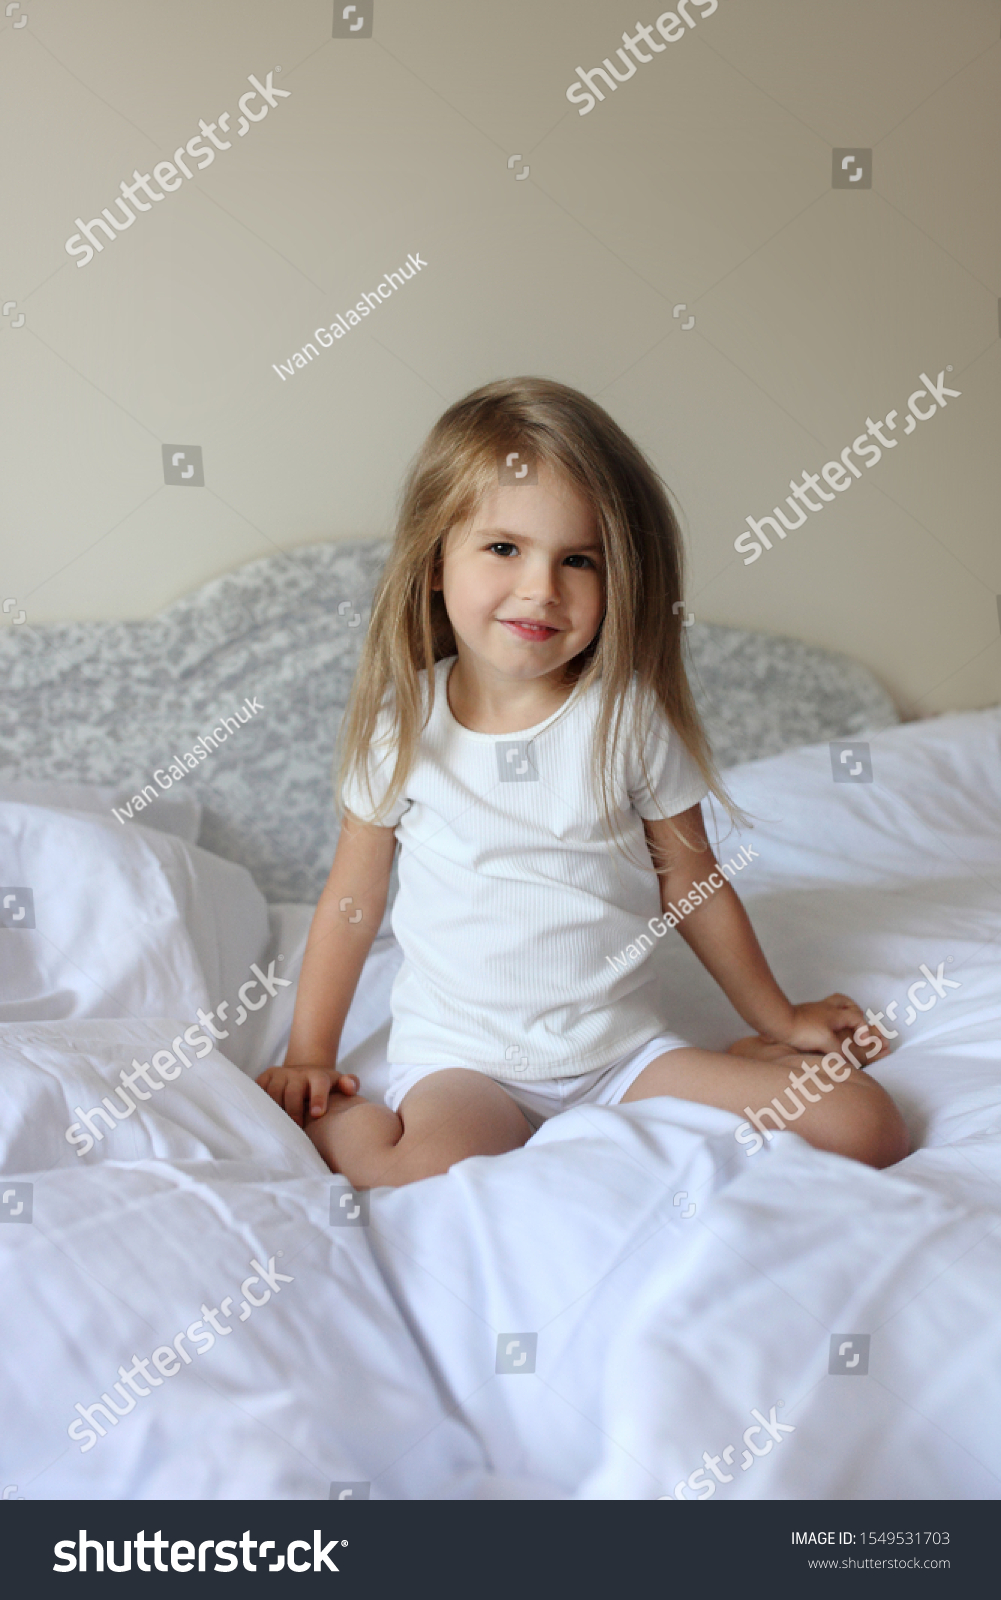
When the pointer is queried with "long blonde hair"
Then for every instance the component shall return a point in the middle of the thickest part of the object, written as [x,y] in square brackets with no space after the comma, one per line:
[641,633]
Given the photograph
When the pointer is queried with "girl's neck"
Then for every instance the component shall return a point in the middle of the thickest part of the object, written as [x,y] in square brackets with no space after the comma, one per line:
[485,703]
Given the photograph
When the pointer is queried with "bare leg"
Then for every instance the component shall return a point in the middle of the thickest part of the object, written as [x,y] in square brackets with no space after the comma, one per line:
[854,1118]
[446,1117]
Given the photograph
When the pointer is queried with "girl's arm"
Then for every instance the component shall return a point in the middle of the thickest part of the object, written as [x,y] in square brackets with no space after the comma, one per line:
[344,925]
[720,933]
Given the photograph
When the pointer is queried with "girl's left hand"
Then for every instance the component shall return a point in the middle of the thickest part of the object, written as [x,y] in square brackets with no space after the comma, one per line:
[824,1025]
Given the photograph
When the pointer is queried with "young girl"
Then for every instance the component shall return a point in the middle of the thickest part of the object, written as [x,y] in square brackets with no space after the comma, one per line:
[522,725]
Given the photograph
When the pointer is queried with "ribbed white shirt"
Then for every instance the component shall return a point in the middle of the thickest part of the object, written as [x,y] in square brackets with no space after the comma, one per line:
[511,895]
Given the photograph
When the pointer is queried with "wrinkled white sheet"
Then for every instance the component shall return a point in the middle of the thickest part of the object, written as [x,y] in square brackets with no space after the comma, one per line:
[129,922]
[660,1329]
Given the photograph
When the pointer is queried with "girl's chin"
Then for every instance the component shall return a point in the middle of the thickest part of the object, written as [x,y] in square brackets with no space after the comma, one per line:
[517,661]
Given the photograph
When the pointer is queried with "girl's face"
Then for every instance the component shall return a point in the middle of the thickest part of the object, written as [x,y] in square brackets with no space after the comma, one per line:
[523,579]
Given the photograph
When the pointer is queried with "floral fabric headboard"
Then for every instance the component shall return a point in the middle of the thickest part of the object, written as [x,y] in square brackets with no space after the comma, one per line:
[132,704]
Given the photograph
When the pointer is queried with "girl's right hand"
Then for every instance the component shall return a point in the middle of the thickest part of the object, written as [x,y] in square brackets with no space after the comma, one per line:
[829,1024]
[297,1088]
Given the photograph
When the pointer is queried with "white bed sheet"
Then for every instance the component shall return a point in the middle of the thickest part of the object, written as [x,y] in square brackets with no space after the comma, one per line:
[658,1333]
[135,921]
[127,922]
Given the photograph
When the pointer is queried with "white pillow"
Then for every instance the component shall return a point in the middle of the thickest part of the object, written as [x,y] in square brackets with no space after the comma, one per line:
[180,814]
[125,922]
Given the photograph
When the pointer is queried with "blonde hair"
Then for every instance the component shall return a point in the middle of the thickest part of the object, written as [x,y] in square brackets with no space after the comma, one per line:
[641,633]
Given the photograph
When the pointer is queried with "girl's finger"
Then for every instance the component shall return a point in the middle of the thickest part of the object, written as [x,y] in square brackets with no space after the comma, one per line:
[319,1093]
[848,1019]
[295,1095]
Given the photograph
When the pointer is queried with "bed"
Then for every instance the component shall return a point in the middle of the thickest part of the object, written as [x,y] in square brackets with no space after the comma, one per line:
[590,1317]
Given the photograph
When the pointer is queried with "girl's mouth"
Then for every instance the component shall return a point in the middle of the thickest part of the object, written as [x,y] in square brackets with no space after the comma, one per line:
[537,632]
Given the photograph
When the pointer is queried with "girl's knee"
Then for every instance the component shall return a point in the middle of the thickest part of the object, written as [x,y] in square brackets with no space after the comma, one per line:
[877,1135]
[893,1138]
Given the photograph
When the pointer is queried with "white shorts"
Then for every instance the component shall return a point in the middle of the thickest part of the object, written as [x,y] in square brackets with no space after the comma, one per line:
[543,1098]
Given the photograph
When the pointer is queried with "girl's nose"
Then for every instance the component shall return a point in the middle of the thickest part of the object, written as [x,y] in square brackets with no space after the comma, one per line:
[539,583]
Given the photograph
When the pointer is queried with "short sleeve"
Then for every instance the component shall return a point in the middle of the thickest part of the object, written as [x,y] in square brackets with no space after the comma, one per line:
[672,781]
[364,801]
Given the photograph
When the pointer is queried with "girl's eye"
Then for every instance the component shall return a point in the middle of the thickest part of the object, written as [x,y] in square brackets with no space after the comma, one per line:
[501,548]
[584,561]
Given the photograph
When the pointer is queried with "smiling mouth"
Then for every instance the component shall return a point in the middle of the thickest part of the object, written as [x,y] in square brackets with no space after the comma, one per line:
[536,631]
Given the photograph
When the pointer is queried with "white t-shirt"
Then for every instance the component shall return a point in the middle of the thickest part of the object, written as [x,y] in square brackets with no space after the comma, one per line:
[512,897]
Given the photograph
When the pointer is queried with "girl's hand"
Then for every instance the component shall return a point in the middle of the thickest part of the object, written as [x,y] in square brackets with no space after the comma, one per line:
[825,1025]
[297,1088]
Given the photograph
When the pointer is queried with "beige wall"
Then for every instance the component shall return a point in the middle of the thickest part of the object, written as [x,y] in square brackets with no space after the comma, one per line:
[704,179]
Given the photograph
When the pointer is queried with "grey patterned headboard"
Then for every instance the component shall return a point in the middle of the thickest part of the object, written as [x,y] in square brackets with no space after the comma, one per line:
[110,702]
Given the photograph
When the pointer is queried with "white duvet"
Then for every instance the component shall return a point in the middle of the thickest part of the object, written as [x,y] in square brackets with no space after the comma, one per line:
[675,1300]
